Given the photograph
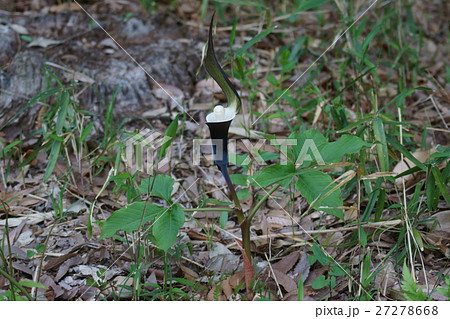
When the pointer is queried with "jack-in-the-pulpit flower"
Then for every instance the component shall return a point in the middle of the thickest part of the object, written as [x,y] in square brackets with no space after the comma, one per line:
[220,119]
[219,123]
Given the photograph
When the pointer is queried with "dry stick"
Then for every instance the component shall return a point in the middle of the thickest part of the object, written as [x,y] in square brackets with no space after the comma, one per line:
[8,240]
[274,277]
[409,231]
[387,223]
[37,274]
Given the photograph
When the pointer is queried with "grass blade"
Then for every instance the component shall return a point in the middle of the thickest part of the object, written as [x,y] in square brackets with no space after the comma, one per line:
[380,137]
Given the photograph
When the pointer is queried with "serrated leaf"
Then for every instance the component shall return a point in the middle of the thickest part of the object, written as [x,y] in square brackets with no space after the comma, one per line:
[166,226]
[314,185]
[129,218]
[409,287]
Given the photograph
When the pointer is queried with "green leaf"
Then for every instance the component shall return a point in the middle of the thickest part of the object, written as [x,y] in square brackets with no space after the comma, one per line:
[365,274]
[8,147]
[380,137]
[272,79]
[161,186]
[168,137]
[62,112]
[86,131]
[392,141]
[314,185]
[255,39]
[223,219]
[409,287]
[166,226]
[243,194]
[239,179]
[39,97]
[362,237]
[266,156]
[274,174]
[54,153]
[432,194]
[336,270]
[347,144]
[129,218]
[310,4]
[440,183]
[358,123]
[320,282]
[418,238]
[31,284]
[300,290]
[314,138]
[320,255]
[370,36]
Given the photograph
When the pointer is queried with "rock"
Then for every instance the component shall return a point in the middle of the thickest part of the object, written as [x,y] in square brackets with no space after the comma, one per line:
[138,93]
[8,44]
[167,50]
[135,28]
[22,80]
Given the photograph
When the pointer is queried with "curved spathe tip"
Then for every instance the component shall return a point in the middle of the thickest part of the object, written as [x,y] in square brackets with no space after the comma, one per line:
[214,69]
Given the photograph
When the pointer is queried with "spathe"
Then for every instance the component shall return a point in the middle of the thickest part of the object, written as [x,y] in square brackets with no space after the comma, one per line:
[220,119]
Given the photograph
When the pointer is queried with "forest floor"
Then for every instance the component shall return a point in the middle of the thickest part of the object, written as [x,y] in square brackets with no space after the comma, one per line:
[83,112]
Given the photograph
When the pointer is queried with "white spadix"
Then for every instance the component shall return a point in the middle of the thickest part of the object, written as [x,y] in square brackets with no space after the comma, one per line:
[221,114]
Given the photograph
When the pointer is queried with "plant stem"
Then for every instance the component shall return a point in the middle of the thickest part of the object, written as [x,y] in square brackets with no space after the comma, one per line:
[209,209]
[15,283]
[246,242]
[258,205]
[238,208]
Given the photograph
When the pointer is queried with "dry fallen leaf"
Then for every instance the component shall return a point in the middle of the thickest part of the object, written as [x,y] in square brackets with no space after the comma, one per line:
[285,281]
[407,164]
[18,28]
[287,262]
[43,42]
[441,220]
